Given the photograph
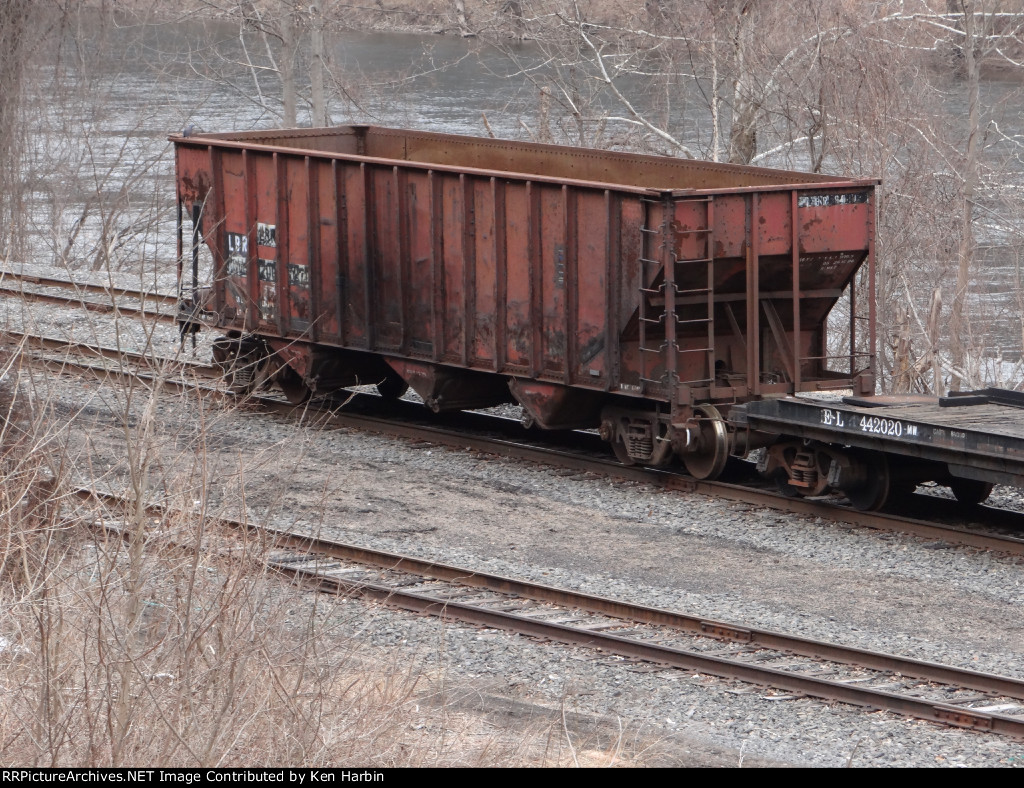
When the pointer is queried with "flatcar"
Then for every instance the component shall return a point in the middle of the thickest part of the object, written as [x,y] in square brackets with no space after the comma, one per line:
[648,297]
[876,449]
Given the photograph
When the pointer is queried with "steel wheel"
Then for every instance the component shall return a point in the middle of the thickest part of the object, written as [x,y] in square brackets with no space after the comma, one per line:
[874,493]
[709,460]
[293,387]
[621,453]
[970,492]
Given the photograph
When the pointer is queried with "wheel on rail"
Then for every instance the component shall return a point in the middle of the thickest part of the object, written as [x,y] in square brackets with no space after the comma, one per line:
[244,363]
[712,453]
[293,386]
[622,453]
[970,492]
[875,491]
[638,437]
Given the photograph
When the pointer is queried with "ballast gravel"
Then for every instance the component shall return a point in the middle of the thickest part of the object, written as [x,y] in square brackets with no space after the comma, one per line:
[706,557]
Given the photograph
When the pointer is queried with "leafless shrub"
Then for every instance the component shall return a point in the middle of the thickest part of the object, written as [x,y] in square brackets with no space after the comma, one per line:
[31,476]
[136,638]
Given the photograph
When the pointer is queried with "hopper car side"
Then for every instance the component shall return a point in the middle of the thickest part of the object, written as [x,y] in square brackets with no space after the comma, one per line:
[649,297]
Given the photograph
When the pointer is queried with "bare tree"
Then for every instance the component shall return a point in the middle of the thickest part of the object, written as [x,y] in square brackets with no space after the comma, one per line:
[844,87]
[745,104]
[317,66]
[282,40]
[23,26]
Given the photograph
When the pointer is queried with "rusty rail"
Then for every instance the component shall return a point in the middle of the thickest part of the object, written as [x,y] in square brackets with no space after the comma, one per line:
[90,306]
[91,351]
[312,560]
[567,458]
[163,299]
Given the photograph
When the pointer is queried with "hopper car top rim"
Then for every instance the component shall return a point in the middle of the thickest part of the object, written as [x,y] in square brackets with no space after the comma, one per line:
[754,171]
[201,142]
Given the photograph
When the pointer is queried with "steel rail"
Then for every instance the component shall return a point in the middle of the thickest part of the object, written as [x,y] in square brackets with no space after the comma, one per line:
[677,482]
[165,299]
[574,460]
[91,306]
[39,342]
[660,478]
[314,549]
[661,654]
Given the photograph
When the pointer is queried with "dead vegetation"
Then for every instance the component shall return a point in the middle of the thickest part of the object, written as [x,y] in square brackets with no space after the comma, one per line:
[134,639]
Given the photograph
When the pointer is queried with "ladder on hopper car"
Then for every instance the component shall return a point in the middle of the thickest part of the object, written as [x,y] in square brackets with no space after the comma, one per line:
[659,301]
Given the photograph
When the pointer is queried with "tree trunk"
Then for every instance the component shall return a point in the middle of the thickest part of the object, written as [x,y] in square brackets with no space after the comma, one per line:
[460,17]
[716,97]
[514,8]
[959,333]
[934,315]
[316,66]
[289,47]
[743,135]
[14,48]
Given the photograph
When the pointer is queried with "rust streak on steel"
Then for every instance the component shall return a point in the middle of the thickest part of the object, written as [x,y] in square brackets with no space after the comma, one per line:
[270,142]
[528,234]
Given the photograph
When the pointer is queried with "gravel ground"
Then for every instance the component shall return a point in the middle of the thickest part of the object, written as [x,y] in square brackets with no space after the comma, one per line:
[688,552]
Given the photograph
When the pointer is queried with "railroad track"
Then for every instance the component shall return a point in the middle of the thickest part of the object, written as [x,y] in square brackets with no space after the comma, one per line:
[799,666]
[795,665]
[68,350]
[160,299]
[506,437]
[14,285]
[667,479]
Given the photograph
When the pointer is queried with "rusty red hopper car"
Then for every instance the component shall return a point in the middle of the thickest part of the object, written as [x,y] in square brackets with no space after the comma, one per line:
[645,296]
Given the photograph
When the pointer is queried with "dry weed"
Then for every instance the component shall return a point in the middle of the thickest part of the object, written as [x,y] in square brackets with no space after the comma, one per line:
[162,641]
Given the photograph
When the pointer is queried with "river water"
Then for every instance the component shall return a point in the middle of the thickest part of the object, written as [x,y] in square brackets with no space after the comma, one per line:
[102,131]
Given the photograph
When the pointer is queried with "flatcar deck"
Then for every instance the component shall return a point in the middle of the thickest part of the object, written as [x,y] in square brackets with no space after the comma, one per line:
[979,435]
